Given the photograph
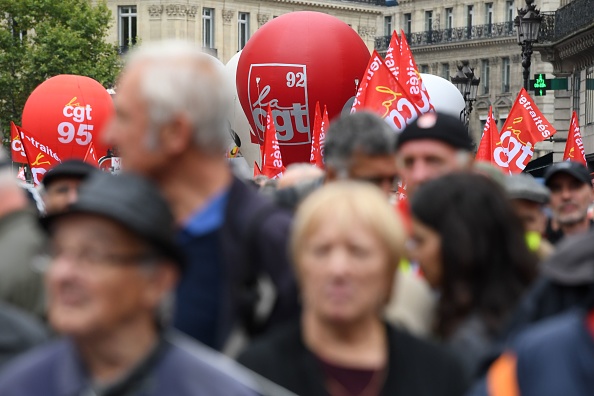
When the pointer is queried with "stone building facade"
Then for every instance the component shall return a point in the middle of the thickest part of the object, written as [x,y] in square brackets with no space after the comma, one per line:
[441,35]
[568,45]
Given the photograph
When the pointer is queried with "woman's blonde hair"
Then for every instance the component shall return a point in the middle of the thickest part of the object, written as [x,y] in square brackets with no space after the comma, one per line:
[344,203]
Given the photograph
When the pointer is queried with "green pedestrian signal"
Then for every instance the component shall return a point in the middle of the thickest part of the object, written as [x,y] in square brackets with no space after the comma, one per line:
[540,85]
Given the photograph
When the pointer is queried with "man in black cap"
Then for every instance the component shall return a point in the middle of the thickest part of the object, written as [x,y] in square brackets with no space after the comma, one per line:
[434,145]
[60,184]
[571,195]
[114,265]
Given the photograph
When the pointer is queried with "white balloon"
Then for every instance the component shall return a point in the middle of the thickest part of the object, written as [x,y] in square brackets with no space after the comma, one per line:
[238,120]
[444,95]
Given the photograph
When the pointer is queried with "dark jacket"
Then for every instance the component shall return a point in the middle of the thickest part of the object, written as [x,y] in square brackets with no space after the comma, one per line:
[18,333]
[254,241]
[551,358]
[181,368]
[415,367]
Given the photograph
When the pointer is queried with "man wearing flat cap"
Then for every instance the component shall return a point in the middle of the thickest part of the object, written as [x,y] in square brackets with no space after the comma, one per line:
[571,195]
[60,184]
[113,266]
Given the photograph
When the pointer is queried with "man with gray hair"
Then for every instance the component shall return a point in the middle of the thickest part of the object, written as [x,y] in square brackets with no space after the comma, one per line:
[358,146]
[171,126]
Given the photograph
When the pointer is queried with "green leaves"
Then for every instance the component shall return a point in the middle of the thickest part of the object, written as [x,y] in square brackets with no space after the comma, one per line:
[40,39]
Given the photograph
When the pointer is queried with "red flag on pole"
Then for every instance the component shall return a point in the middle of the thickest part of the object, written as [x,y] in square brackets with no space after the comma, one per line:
[272,161]
[392,58]
[525,126]
[410,78]
[321,139]
[40,156]
[574,148]
[257,171]
[315,136]
[91,156]
[490,142]
[384,96]
[16,145]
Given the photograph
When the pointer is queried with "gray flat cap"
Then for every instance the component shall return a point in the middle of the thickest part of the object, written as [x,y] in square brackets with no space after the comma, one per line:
[524,186]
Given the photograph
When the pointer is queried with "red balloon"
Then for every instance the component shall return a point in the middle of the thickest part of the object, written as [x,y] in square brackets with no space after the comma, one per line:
[66,113]
[292,62]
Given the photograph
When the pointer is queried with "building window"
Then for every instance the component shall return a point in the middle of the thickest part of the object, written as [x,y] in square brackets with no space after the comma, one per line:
[388,28]
[445,71]
[208,27]
[127,30]
[425,69]
[485,72]
[489,17]
[449,18]
[589,95]
[428,20]
[469,20]
[575,88]
[408,23]
[509,11]
[243,26]
[505,74]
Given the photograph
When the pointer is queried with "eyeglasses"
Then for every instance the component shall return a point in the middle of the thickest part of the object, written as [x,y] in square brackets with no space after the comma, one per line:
[88,258]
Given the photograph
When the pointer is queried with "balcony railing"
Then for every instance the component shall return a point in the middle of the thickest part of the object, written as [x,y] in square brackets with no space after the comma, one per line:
[575,16]
[454,35]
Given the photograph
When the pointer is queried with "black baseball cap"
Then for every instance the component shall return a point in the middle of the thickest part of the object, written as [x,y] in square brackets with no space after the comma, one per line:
[132,202]
[575,169]
[437,126]
[69,169]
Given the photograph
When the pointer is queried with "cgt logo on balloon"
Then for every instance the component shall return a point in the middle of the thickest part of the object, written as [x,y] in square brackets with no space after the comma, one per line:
[291,117]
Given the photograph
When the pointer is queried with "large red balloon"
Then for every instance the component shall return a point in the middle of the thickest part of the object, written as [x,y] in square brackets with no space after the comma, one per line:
[292,62]
[66,113]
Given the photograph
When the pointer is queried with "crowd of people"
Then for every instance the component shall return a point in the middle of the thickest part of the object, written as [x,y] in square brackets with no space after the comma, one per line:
[177,277]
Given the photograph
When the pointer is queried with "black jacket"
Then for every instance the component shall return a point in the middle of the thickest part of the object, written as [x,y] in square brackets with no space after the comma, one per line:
[416,367]
[254,239]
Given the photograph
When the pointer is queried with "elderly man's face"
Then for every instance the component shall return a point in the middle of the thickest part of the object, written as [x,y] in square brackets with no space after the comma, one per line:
[425,159]
[531,214]
[570,198]
[130,131]
[95,283]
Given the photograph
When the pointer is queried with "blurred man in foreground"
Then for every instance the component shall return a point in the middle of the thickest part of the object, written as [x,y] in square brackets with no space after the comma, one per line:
[171,126]
[114,265]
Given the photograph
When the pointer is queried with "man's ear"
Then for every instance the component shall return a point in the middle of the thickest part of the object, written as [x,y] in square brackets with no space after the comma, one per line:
[176,135]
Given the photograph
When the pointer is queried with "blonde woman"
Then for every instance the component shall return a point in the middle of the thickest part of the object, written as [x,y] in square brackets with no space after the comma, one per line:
[346,242]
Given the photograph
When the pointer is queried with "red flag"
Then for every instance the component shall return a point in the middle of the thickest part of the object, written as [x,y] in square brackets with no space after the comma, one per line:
[91,156]
[257,171]
[525,126]
[384,96]
[315,136]
[21,174]
[574,148]
[392,58]
[321,139]
[18,152]
[490,142]
[410,78]
[272,161]
[41,157]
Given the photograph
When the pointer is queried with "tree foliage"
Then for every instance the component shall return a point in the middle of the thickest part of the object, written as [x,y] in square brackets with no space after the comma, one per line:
[40,39]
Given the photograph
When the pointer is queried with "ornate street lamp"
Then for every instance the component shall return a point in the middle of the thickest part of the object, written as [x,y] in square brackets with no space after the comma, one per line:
[527,25]
[467,84]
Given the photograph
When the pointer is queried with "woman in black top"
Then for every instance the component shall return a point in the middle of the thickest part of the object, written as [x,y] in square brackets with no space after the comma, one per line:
[346,244]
